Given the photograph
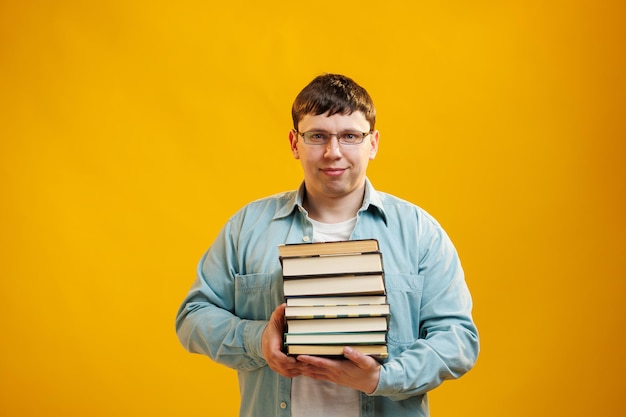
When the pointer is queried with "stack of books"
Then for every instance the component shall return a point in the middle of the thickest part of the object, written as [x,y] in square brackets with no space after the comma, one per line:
[336,297]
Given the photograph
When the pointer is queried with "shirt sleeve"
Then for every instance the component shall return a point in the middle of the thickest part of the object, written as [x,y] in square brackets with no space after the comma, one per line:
[448,345]
[205,322]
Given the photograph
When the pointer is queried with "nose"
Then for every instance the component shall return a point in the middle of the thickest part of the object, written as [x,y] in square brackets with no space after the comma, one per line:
[333,148]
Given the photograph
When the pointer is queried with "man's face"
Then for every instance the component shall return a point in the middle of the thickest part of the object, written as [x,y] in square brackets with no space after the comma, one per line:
[334,170]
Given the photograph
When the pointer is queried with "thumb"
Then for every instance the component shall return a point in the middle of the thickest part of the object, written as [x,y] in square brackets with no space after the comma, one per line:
[356,357]
[278,316]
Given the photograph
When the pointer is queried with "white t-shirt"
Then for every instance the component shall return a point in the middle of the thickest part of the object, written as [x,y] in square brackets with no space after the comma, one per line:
[311,397]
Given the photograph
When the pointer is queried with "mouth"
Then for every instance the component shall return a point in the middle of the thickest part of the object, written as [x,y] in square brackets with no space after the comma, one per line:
[333,172]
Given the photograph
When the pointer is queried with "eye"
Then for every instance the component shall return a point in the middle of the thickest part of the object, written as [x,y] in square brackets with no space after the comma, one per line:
[350,137]
[316,137]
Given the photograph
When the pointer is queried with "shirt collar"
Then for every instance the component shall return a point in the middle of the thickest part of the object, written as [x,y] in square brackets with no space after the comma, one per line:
[372,201]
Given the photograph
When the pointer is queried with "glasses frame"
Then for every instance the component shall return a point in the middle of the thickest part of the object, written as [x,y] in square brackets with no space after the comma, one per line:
[365,134]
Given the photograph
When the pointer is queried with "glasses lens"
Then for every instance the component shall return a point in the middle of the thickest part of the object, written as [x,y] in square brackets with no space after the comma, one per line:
[351,137]
[316,138]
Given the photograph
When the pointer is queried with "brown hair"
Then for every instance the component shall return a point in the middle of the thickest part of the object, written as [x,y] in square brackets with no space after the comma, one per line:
[332,94]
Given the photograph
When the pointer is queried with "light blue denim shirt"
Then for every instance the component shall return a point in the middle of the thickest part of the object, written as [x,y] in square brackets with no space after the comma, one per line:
[431,338]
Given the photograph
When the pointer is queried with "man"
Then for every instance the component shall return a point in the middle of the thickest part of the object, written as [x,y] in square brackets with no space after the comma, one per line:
[234,311]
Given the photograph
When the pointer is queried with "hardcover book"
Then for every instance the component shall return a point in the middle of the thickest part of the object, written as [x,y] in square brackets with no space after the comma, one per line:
[364,310]
[335,285]
[379,351]
[360,263]
[341,300]
[328,248]
[337,325]
[369,338]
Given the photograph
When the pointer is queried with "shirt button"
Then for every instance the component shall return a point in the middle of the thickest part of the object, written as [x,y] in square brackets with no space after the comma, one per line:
[283,405]
[306,238]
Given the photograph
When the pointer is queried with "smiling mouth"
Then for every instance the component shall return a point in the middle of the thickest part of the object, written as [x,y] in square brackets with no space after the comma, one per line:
[333,171]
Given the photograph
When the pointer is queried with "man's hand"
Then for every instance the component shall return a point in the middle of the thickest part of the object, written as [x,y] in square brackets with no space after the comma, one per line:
[271,344]
[360,371]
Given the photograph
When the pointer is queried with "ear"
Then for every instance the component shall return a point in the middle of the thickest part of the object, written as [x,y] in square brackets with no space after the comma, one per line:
[374,137]
[293,143]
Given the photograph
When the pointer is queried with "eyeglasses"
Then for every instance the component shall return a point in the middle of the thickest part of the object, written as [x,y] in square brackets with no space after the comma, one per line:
[348,137]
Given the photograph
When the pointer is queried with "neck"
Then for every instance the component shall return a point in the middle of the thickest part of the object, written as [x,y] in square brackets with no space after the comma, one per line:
[333,209]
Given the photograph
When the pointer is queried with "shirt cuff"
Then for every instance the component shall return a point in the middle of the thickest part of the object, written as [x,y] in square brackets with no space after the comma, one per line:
[253,334]
[386,381]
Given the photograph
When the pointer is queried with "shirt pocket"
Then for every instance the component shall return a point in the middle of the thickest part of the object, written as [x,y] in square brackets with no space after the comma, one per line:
[255,296]
[404,293]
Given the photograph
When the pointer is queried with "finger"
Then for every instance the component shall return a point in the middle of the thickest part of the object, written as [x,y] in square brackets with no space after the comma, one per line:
[278,356]
[316,361]
[286,366]
[293,367]
[279,312]
[359,359]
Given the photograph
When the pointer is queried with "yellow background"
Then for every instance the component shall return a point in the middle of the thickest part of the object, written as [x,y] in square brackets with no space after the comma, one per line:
[130,131]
